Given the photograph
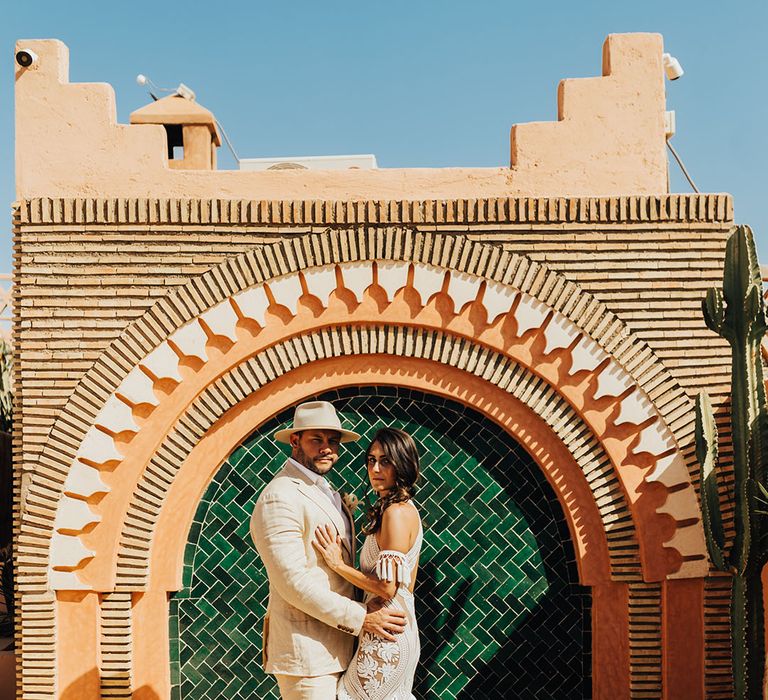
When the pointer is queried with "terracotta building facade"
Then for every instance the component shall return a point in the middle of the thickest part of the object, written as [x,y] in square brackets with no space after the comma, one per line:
[537,328]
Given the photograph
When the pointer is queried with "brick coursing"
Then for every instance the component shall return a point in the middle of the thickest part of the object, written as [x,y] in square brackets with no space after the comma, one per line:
[86,269]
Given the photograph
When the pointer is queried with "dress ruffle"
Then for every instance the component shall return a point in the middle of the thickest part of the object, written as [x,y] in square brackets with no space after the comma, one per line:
[393,566]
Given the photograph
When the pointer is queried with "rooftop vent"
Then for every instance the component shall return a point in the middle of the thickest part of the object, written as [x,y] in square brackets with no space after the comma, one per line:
[355,162]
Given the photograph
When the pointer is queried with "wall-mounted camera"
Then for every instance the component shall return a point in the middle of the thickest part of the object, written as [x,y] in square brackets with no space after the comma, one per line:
[26,58]
[672,66]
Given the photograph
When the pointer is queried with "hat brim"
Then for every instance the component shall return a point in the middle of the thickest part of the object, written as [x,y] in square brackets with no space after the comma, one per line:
[284,435]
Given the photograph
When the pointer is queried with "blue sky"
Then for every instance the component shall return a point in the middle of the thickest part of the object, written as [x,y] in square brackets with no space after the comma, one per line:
[427,84]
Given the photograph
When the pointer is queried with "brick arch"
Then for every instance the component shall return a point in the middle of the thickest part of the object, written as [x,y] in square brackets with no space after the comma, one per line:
[513,486]
[468,289]
[137,529]
[502,406]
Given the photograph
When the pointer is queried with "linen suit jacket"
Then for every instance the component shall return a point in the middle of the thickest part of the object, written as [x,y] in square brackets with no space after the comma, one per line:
[312,619]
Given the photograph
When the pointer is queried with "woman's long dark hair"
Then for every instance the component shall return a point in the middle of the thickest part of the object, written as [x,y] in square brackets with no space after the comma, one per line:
[401,450]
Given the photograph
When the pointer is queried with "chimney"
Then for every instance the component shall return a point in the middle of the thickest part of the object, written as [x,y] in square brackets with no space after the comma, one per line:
[190,128]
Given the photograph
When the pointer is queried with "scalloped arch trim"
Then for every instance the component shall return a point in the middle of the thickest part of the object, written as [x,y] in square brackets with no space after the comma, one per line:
[423,281]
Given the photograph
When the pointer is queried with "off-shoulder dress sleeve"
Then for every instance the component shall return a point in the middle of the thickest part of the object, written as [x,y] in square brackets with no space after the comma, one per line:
[393,566]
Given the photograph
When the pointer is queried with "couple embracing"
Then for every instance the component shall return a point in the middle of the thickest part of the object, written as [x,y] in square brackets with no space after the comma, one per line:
[320,641]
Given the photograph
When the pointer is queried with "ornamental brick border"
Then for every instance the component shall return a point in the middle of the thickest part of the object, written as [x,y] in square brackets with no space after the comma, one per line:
[670,208]
[296,252]
[289,256]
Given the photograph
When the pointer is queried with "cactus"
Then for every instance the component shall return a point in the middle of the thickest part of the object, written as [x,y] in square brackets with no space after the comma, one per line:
[737,314]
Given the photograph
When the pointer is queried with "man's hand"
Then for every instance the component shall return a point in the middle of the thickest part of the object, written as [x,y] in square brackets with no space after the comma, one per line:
[384,622]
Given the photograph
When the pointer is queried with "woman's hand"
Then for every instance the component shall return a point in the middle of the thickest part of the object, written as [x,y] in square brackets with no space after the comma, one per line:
[328,543]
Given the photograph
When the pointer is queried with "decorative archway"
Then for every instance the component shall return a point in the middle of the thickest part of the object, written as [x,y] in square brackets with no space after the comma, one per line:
[495,531]
[193,360]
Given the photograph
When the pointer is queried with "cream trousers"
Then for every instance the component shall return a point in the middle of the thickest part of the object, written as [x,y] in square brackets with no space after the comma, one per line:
[310,688]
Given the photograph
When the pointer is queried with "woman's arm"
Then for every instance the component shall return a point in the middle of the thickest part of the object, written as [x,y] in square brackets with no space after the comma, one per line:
[396,535]
[328,543]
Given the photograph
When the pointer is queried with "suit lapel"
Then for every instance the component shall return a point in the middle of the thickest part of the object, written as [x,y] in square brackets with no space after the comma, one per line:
[319,498]
[314,494]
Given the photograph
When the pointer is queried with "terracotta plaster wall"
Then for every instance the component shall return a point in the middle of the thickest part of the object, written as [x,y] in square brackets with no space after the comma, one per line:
[103,229]
[87,268]
[608,139]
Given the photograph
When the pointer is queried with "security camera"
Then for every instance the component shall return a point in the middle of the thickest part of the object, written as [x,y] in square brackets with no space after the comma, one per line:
[26,58]
[672,66]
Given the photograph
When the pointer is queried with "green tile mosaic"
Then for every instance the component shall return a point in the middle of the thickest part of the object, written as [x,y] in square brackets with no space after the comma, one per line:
[499,611]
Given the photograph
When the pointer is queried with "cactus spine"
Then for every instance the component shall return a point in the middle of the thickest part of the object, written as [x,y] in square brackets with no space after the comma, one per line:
[737,314]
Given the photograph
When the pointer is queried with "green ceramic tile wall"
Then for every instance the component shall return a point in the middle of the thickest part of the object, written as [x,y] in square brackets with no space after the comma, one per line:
[500,614]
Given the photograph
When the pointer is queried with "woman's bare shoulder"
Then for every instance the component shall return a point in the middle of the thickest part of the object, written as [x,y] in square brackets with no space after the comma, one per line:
[404,512]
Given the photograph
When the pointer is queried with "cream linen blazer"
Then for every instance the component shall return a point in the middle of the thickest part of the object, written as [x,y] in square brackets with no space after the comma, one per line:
[312,619]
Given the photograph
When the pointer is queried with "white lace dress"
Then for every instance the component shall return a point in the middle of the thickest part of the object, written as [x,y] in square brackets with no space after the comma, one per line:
[382,670]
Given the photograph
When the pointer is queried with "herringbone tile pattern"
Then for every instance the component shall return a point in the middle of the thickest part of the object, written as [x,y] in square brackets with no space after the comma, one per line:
[499,613]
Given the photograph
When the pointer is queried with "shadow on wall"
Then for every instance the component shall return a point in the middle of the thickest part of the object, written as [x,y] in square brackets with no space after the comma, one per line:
[89,686]
[491,681]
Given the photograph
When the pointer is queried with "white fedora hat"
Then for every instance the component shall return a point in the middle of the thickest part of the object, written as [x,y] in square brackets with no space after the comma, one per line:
[315,415]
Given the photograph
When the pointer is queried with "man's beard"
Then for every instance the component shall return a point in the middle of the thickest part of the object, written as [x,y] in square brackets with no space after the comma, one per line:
[300,456]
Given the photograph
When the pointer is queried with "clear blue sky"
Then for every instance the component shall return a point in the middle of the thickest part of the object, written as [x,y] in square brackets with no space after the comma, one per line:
[430,84]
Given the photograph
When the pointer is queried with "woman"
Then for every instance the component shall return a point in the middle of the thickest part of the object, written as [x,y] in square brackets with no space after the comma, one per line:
[380,669]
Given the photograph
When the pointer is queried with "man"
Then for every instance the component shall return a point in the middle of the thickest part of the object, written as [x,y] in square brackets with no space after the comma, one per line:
[312,619]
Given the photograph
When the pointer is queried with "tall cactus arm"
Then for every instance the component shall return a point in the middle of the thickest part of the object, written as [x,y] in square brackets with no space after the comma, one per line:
[742,551]
[714,310]
[742,269]
[706,453]
[755,310]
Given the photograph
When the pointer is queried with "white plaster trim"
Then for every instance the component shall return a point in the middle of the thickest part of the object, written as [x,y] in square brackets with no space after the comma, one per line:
[670,470]
[286,291]
[83,480]
[692,569]
[586,355]
[253,304]
[73,514]
[427,281]
[462,288]
[163,362]
[392,277]
[321,283]
[612,381]
[222,319]
[682,505]
[191,340]
[687,541]
[137,388]
[357,277]
[559,333]
[98,447]
[498,299]
[68,551]
[655,439]
[116,416]
[635,409]
[530,313]
[66,581]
